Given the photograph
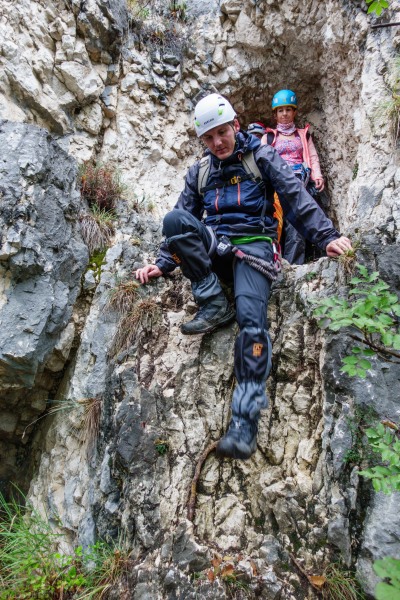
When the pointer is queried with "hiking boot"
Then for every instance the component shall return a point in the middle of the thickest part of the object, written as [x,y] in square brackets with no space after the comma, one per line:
[240,441]
[210,316]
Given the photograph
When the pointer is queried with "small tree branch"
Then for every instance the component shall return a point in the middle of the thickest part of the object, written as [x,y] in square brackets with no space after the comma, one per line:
[380,349]
[193,488]
[385,25]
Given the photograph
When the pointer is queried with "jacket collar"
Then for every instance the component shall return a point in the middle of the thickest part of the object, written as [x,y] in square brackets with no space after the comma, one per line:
[244,143]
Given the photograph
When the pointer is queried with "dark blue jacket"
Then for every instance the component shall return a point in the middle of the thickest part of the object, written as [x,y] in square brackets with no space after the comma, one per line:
[236,210]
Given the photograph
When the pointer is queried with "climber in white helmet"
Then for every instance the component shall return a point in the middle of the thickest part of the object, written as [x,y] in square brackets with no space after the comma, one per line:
[235,242]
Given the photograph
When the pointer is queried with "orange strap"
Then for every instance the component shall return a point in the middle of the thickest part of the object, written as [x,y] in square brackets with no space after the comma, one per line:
[278,215]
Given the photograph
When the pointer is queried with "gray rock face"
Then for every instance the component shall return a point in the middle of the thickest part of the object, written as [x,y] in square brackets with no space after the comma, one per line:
[102,24]
[42,258]
[165,397]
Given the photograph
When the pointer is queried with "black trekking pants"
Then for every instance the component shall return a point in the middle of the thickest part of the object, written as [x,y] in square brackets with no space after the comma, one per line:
[251,288]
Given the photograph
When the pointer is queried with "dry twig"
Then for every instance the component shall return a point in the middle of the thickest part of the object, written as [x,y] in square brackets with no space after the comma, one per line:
[193,488]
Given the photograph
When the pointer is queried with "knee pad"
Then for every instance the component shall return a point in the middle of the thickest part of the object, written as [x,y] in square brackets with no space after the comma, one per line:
[253,352]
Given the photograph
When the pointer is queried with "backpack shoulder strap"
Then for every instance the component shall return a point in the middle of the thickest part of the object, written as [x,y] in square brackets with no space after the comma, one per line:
[270,138]
[250,166]
[204,171]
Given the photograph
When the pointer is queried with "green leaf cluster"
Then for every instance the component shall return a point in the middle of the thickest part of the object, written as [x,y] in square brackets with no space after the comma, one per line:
[388,568]
[385,478]
[373,311]
[377,6]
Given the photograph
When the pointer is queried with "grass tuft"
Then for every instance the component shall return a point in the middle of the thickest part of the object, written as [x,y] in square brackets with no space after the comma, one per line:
[97,228]
[123,296]
[341,585]
[143,316]
[32,566]
[101,185]
[90,425]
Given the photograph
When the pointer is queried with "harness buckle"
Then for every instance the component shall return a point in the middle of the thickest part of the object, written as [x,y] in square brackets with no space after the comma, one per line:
[277,256]
[235,180]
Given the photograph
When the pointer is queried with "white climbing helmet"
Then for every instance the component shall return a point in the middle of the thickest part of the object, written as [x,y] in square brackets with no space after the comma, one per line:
[211,111]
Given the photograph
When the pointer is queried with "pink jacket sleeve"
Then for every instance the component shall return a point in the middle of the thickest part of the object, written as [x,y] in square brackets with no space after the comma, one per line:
[314,161]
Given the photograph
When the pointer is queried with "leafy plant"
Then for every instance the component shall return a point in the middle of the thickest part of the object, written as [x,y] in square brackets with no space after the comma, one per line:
[161,446]
[372,312]
[388,568]
[100,185]
[310,276]
[30,564]
[96,261]
[377,6]
[385,441]
[97,228]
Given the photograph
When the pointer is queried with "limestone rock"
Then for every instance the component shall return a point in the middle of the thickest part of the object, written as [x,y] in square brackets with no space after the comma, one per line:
[43,256]
[128,102]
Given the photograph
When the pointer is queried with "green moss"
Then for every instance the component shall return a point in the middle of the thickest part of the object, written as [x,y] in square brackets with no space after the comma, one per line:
[364,417]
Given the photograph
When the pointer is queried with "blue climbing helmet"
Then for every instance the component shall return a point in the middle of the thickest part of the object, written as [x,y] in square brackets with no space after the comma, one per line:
[284,98]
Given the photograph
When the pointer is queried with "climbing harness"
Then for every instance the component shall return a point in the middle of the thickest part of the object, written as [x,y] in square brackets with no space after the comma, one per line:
[302,172]
[270,270]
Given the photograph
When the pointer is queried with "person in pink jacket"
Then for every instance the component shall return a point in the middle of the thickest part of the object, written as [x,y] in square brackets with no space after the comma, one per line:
[296,147]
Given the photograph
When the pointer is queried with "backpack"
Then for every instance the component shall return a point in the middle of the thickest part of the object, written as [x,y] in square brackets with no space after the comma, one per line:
[251,168]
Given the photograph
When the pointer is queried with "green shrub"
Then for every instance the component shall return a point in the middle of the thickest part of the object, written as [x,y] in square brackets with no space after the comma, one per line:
[372,313]
[363,417]
[383,440]
[162,446]
[388,568]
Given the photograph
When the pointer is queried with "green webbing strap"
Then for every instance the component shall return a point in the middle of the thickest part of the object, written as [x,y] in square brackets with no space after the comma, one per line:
[247,239]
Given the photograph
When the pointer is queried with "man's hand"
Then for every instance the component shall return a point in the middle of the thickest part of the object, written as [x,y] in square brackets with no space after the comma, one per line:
[338,247]
[319,184]
[147,272]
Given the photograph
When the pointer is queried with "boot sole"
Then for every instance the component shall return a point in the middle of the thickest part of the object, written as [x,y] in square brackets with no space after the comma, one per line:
[235,453]
[228,319]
